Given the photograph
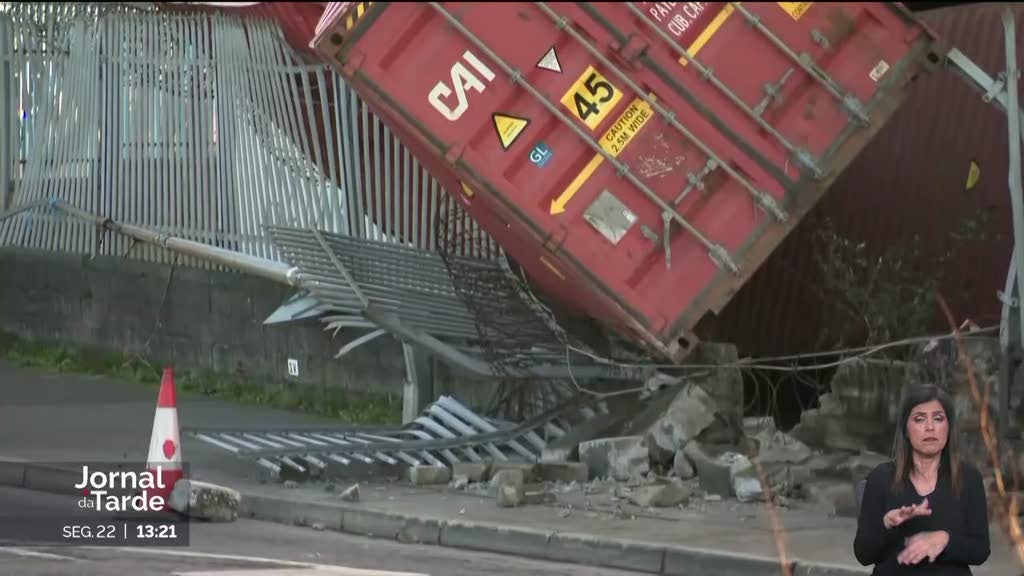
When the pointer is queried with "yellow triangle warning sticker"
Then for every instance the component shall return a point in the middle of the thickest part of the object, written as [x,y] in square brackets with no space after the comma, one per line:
[973,174]
[509,128]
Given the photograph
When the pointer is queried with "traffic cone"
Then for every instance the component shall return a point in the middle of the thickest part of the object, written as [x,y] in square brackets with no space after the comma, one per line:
[165,442]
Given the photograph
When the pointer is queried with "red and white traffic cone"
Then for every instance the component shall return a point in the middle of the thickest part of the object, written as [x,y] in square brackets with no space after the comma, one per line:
[165,442]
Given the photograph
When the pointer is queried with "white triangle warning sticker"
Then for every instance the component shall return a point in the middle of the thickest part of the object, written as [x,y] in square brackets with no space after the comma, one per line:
[509,128]
[550,61]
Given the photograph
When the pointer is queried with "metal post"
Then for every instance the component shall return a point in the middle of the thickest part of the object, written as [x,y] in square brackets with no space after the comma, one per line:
[1013,121]
[1009,344]
[1017,205]
[418,390]
[6,115]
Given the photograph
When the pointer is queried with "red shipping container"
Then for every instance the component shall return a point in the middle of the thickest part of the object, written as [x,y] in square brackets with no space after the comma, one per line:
[639,160]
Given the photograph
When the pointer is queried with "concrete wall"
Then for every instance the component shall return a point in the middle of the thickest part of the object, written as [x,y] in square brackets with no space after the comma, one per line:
[208,320]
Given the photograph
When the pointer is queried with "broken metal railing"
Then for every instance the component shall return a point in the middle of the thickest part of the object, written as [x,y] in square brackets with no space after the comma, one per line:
[445,433]
[381,313]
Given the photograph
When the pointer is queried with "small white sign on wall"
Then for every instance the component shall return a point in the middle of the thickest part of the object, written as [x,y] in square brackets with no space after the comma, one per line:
[293,367]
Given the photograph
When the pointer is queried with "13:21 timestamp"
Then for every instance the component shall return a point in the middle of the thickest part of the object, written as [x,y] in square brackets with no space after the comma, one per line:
[150,531]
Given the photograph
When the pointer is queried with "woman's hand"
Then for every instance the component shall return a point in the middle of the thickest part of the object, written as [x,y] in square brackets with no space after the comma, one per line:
[924,545]
[897,516]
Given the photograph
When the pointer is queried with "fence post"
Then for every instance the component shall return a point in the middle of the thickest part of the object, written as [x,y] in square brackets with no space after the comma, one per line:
[7,113]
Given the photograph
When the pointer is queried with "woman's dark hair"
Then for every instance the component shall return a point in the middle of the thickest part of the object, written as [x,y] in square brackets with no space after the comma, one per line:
[903,452]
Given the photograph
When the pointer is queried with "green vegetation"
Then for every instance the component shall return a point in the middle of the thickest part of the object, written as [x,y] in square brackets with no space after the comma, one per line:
[333,403]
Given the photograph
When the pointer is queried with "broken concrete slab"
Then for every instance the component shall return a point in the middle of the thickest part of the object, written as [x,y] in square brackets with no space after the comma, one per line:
[682,467]
[205,501]
[714,475]
[473,471]
[660,495]
[426,475]
[562,472]
[459,482]
[510,495]
[860,409]
[351,494]
[509,477]
[775,446]
[566,448]
[689,413]
[621,458]
[670,418]
[725,381]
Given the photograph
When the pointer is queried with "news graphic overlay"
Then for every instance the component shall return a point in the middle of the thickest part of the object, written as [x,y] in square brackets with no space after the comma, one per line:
[96,504]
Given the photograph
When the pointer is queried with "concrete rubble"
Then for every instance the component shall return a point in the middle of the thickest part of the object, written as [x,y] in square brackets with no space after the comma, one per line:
[425,475]
[351,494]
[684,444]
[620,458]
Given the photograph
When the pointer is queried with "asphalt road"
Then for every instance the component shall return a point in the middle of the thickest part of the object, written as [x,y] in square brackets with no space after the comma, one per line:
[247,547]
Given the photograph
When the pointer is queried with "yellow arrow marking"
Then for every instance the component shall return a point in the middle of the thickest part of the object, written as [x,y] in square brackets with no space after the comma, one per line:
[613,142]
[558,204]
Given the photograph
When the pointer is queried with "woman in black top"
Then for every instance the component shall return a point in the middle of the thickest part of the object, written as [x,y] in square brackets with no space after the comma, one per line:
[921,514]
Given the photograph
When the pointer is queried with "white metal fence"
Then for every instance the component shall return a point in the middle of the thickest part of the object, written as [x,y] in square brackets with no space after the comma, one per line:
[209,127]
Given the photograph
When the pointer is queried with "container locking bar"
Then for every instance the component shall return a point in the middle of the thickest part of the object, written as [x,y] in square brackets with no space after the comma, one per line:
[766,200]
[848,100]
[718,253]
[802,156]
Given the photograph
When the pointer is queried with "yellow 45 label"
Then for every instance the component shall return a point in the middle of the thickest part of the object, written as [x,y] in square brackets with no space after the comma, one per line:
[591,98]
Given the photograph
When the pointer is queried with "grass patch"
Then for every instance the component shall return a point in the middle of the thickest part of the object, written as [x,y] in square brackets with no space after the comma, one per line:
[337,404]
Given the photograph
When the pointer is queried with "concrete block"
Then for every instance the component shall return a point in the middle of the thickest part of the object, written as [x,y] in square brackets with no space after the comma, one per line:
[473,471]
[563,472]
[424,475]
[594,551]
[687,561]
[205,501]
[529,469]
[619,458]
[292,512]
[498,539]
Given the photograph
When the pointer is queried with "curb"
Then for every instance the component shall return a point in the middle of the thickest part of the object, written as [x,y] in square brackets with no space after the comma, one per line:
[570,548]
